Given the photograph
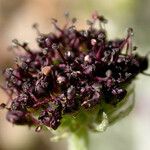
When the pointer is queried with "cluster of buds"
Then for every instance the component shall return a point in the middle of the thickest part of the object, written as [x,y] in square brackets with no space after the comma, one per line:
[73,70]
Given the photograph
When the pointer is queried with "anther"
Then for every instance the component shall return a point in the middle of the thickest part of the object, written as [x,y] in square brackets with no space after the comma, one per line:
[36,27]
[24,45]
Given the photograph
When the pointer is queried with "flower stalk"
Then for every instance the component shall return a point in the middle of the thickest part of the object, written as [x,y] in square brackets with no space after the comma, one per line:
[79,140]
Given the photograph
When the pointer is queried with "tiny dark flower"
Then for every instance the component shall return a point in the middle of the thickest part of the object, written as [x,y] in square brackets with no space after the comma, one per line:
[17,117]
[43,85]
[51,117]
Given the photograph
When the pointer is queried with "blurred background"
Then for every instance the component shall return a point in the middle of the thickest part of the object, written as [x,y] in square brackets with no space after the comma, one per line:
[16,19]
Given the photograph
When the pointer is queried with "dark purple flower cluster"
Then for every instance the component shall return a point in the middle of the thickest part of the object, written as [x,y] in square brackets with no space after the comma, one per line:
[73,69]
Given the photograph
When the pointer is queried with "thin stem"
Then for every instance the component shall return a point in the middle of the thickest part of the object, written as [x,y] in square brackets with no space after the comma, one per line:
[79,140]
